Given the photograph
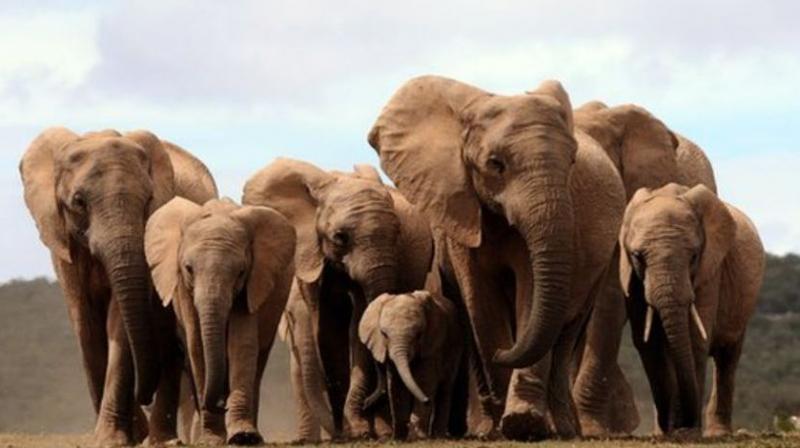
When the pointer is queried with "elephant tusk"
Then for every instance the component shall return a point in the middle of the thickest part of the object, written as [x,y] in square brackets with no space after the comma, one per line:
[699,322]
[648,323]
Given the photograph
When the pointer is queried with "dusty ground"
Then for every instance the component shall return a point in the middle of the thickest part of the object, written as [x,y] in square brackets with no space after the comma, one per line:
[9,440]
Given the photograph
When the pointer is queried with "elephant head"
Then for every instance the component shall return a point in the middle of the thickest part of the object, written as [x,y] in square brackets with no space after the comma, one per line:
[646,153]
[403,328]
[674,241]
[210,259]
[91,194]
[345,220]
[457,151]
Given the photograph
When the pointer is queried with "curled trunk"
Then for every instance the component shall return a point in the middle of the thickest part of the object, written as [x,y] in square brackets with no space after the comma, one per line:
[676,327]
[399,355]
[547,227]
[212,332]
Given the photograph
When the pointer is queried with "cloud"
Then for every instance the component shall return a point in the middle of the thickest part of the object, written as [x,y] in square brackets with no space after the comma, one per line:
[239,85]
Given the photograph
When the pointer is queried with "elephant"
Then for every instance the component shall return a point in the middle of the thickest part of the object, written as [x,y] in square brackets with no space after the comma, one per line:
[526,210]
[90,195]
[691,269]
[356,239]
[646,153]
[418,337]
[226,270]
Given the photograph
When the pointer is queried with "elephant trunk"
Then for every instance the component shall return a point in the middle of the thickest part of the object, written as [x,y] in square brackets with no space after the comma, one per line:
[546,221]
[380,279]
[399,353]
[118,241]
[212,332]
[675,320]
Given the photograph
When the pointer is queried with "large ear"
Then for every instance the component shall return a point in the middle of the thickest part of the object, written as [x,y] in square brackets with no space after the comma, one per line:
[290,187]
[555,90]
[625,268]
[719,229]
[369,331]
[161,172]
[419,137]
[38,171]
[273,245]
[162,239]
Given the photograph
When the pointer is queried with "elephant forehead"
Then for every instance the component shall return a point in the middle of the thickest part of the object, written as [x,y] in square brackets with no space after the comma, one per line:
[520,110]
[101,145]
[216,228]
[665,217]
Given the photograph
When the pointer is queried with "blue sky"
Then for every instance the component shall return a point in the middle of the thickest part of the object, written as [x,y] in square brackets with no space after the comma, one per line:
[239,83]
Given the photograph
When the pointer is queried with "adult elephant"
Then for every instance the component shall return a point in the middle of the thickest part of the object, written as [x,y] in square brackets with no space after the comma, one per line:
[90,196]
[526,210]
[356,239]
[646,154]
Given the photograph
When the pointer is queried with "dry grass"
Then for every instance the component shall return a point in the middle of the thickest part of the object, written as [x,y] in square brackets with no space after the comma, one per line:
[10,440]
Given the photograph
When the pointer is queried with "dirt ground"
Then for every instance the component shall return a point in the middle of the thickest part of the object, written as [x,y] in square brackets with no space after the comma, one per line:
[10,440]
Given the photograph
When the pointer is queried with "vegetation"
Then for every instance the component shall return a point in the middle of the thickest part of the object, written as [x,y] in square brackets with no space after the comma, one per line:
[43,388]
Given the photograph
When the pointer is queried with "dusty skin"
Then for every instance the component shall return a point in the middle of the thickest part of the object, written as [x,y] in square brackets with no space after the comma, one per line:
[743,440]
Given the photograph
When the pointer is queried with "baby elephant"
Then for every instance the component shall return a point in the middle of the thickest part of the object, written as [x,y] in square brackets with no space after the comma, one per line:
[691,269]
[421,336]
[226,270]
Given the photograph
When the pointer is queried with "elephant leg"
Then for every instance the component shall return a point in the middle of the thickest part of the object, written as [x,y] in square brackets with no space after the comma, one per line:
[114,422]
[525,416]
[720,404]
[243,351]
[164,417]
[562,409]
[89,324]
[187,408]
[422,414]
[308,427]
[361,374]
[401,403]
[602,395]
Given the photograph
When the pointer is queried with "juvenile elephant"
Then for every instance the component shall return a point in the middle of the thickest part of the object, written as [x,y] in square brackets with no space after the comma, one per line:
[526,210]
[226,270]
[691,270]
[356,239]
[645,153]
[90,196]
[419,339]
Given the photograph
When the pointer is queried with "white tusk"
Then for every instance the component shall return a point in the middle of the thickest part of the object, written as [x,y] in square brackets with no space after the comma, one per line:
[699,322]
[648,323]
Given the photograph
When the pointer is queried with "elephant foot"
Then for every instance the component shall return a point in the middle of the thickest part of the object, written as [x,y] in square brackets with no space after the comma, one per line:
[243,433]
[107,435]
[524,426]
[163,442]
[684,435]
[358,428]
[210,439]
[717,430]
[592,427]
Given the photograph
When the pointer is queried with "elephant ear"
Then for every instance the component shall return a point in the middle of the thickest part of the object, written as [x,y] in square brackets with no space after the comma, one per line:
[38,171]
[291,187]
[369,330]
[161,172]
[555,90]
[367,172]
[162,240]
[719,229]
[625,267]
[273,247]
[419,137]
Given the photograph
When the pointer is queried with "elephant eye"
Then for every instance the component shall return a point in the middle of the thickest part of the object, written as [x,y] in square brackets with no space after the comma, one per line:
[78,201]
[495,164]
[189,269]
[340,238]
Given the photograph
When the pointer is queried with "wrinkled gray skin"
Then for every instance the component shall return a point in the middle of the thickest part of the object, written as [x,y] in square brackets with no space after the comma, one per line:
[418,339]
[226,270]
[645,153]
[357,239]
[691,270]
[90,196]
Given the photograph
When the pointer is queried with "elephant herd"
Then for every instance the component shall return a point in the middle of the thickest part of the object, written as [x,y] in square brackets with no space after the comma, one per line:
[486,294]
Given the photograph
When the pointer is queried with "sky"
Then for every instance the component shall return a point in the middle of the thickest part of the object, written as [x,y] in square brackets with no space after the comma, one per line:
[239,83]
